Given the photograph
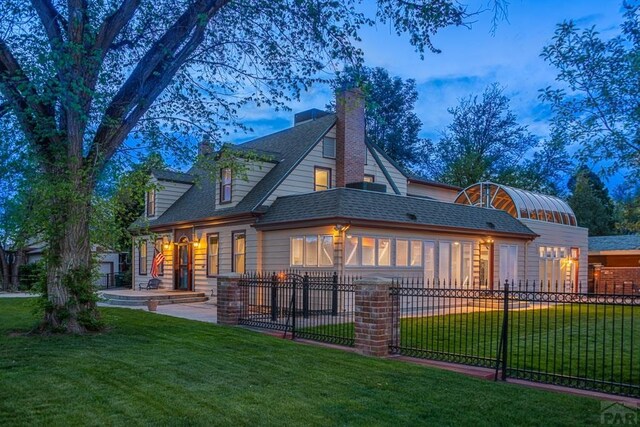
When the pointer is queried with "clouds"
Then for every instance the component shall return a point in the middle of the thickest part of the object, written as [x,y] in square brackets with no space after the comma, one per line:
[470,60]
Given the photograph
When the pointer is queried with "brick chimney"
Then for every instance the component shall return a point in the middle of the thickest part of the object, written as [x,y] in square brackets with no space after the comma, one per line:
[350,147]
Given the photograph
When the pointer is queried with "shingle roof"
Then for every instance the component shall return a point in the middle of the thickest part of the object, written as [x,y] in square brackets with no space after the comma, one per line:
[614,243]
[369,205]
[287,148]
[165,175]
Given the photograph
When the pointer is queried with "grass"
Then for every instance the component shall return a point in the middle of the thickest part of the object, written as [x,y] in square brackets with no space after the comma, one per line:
[153,369]
[588,341]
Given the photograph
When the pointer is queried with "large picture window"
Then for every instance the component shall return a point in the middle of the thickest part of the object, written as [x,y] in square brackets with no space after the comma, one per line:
[142,258]
[239,254]
[312,251]
[213,248]
[225,185]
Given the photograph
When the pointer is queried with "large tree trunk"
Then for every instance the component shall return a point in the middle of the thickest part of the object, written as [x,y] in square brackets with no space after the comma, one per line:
[71,297]
[19,258]
[4,266]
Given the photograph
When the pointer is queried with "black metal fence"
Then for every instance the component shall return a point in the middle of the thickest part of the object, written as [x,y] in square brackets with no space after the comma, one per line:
[317,306]
[105,281]
[581,340]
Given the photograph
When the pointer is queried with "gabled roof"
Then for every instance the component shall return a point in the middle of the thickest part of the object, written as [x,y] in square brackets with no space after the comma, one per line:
[285,148]
[166,175]
[411,176]
[629,242]
[346,203]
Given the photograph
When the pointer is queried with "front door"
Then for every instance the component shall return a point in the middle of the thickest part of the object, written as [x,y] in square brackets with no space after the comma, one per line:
[183,265]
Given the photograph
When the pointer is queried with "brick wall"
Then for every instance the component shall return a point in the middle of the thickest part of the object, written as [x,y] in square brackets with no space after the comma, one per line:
[350,146]
[228,299]
[373,317]
[618,280]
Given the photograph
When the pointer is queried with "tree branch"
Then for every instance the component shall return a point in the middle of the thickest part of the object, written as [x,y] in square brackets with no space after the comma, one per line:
[113,24]
[150,77]
[51,21]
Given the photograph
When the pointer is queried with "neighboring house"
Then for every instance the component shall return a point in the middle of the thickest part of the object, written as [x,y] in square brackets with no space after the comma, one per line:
[109,262]
[614,263]
[322,198]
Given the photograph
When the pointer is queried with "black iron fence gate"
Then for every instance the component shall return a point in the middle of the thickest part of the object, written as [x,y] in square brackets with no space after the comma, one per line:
[312,306]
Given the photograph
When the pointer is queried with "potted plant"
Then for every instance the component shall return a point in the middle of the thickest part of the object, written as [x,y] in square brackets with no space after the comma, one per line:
[152,304]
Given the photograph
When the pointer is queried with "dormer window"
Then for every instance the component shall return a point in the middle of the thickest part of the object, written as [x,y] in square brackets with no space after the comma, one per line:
[225,185]
[369,178]
[151,203]
[329,147]
[322,179]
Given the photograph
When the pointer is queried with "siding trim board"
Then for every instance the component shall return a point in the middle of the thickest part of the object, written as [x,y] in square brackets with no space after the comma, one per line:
[384,170]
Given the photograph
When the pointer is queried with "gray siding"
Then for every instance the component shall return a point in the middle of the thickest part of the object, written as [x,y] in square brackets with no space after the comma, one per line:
[301,178]
[166,194]
[438,193]
[557,235]
[241,185]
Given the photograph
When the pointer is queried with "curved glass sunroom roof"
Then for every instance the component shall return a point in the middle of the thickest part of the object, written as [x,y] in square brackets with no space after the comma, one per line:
[517,203]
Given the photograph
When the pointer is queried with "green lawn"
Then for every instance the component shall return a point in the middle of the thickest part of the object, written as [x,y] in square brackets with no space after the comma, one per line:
[601,343]
[153,369]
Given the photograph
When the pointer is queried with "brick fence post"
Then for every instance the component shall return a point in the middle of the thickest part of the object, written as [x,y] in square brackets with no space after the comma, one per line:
[373,316]
[229,301]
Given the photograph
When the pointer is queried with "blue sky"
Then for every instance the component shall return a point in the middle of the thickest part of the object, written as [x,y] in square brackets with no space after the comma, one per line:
[470,60]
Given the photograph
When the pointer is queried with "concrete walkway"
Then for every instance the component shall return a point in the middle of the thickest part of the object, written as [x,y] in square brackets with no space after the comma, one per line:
[200,311]
[16,295]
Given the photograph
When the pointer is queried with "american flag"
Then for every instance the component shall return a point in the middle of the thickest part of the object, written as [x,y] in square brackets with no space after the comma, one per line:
[158,260]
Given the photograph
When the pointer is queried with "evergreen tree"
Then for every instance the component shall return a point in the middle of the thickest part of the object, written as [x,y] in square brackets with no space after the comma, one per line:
[591,202]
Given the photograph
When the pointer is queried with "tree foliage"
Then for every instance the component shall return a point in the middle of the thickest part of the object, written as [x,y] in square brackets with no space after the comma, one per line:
[391,122]
[598,101]
[591,202]
[627,208]
[483,142]
[87,81]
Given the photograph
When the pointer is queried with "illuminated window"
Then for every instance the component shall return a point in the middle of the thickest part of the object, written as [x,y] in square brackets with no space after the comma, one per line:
[416,253]
[322,179]
[311,250]
[384,252]
[297,251]
[326,251]
[368,251]
[239,248]
[369,178]
[142,258]
[402,253]
[352,250]
[225,185]
[508,263]
[212,254]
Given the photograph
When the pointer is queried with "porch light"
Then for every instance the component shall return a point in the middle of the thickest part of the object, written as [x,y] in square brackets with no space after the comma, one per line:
[166,243]
[196,244]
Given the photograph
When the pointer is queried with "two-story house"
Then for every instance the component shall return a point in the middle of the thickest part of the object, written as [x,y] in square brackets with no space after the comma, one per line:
[322,198]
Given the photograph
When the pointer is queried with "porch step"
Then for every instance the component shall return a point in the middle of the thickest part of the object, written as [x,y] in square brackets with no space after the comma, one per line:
[140,299]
